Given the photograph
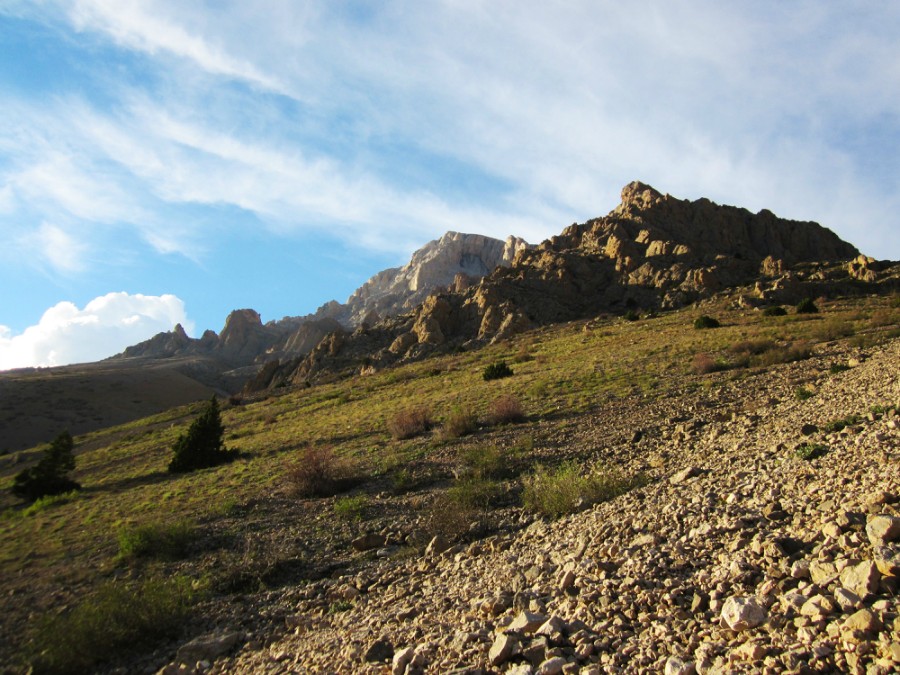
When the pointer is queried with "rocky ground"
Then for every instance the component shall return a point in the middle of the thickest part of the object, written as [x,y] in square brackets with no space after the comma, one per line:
[739,556]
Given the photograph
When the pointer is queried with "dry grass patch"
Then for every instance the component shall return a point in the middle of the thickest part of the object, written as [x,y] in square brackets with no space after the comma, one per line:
[409,422]
[506,409]
[461,421]
[319,472]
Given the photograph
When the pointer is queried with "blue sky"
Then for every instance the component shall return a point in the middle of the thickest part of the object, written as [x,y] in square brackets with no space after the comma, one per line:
[165,161]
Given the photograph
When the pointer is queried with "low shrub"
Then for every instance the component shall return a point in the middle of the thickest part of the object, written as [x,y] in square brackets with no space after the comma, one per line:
[833,329]
[568,488]
[119,617]
[496,371]
[351,508]
[704,321]
[505,409]
[703,364]
[802,394]
[409,423]
[484,461]
[631,315]
[160,541]
[840,424]
[450,518]
[807,306]
[836,368]
[752,347]
[319,472]
[810,451]
[775,310]
[461,421]
[884,317]
[794,351]
[473,492]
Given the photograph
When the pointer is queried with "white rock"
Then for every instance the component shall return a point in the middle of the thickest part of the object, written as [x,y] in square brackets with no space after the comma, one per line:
[742,613]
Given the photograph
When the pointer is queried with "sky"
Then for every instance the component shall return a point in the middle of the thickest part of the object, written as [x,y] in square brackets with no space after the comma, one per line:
[165,162]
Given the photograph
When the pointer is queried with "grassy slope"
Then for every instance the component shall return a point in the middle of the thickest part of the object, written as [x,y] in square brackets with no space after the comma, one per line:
[53,554]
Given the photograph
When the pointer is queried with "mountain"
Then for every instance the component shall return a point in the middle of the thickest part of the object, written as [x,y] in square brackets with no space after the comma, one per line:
[455,260]
[652,252]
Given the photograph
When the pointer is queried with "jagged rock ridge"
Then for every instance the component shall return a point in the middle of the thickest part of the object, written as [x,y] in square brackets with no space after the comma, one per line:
[651,252]
[456,259]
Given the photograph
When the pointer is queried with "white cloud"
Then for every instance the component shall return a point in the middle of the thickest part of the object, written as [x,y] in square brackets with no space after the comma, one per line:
[66,334]
[59,249]
[145,27]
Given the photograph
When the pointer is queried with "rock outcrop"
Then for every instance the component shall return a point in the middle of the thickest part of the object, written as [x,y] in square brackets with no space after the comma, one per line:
[455,260]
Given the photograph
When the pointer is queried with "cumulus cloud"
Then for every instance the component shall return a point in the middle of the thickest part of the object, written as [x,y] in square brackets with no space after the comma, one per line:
[66,334]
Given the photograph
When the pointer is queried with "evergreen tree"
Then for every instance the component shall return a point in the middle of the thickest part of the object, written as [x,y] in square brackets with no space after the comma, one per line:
[202,446]
[48,476]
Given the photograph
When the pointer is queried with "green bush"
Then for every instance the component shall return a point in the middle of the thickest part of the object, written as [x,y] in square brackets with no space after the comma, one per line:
[776,310]
[802,393]
[810,451]
[160,541]
[201,447]
[706,322]
[631,315]
[567,489]
[807,306]
[497,370]
[119,617]
[49,476]
[472,492]
[485,461]
[840,424]
[351,508]
[460,422]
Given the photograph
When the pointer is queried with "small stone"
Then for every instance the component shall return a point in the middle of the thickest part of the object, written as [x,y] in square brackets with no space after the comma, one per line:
[436,546]
[742,613]
[379,651]
[822,573]
[749,651]
[368,541]
[527,622]
[832,529]
[863,621]
[552,666]
[208,647]
[887,559]
[847,600]
[552,625]
[817,606]
[800,569]
[882,529]
[684,474]
[861,579]
[895,651]
[567,580]
[502,650]
[677,666]
[401,660]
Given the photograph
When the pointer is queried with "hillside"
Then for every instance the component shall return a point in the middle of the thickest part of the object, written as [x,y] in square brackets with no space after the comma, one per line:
[755,460]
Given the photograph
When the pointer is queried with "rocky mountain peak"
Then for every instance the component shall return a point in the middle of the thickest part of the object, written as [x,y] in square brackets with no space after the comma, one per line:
[434,266]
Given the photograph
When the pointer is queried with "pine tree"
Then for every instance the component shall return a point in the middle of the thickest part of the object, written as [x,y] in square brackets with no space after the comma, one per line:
[48,476]
[202,445]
